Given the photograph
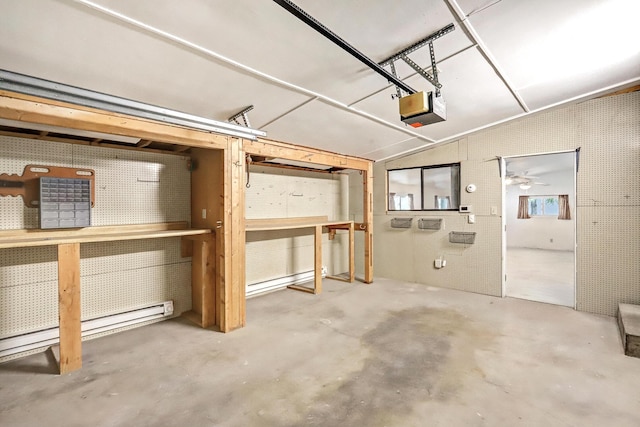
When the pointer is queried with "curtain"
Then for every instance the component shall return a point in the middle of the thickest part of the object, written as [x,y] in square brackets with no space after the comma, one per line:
[410,196]
[392,201]
[563,207]
[523,207]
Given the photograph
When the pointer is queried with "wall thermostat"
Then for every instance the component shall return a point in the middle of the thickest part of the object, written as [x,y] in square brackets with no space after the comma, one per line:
[471,188]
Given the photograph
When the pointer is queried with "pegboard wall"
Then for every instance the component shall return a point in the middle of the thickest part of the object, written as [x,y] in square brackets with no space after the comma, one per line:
[132,187]
[285,193]
[608,198]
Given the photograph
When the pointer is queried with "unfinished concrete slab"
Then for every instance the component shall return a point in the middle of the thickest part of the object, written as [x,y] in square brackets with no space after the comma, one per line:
[629,324]
[387,354]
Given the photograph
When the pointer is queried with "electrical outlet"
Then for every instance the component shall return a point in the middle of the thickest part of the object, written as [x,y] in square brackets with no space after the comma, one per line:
[324,270]
[494,210]
[168,308]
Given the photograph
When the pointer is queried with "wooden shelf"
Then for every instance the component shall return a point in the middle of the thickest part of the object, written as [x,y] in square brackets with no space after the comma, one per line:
[268,224]
[34,237]
[317,223]
[68,245]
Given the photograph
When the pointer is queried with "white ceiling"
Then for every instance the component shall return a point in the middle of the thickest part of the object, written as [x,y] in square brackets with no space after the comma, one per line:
[541,166]
[506,58]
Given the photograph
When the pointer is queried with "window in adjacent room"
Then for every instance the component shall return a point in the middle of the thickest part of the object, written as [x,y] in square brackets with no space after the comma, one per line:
[543,206]
[424,188]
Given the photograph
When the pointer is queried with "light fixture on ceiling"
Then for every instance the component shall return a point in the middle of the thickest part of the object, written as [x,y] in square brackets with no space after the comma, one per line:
[525,186]
[508,181]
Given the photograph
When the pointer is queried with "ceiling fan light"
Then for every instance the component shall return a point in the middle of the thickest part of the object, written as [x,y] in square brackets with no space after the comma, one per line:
[508,181]
[525,186]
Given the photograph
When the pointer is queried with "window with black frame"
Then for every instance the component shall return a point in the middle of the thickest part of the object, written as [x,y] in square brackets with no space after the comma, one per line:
[425,188]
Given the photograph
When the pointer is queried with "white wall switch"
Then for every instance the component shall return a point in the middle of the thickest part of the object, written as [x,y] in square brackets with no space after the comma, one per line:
[472,219]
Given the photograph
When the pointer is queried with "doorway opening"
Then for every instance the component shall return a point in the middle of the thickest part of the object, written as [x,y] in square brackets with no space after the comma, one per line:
[539,238]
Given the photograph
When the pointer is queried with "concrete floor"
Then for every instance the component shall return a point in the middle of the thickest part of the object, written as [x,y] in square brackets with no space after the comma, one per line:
[541,275]
[387,354]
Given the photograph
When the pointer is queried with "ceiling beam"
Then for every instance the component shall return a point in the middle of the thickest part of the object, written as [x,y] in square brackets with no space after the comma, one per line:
[462,20]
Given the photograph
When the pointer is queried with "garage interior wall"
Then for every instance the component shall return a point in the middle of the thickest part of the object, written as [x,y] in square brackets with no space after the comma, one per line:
[131,187]
[608,196]
[285,193]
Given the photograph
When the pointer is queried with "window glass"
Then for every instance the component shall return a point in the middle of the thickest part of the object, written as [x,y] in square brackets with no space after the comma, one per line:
[404,190]
[441,187]
[543,206]
[424,188]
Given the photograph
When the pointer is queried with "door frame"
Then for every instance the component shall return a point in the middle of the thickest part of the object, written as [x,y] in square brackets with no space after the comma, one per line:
[503,169]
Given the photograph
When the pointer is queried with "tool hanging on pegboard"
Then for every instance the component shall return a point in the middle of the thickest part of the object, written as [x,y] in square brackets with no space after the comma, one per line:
[247,162]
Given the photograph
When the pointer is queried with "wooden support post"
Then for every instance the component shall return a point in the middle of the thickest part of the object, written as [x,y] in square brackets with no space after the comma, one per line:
[352,262]
[69,307]
[203,295]
[317,240]
[207,194]
[231,243]
[367,178]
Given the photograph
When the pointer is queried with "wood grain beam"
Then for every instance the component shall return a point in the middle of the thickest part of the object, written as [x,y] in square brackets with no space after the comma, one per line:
[275,149]
[367,182]
[232,254]
[69,307]
[31,109]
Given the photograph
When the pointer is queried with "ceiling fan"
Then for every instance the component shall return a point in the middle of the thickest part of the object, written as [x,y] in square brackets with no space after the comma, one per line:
[524,180]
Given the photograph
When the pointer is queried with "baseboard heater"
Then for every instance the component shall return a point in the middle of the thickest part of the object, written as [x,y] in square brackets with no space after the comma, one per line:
[281,282]
[48,337]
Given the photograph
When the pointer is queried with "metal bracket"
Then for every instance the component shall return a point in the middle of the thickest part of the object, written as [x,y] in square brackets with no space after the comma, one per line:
[417,45]
[242,114]
[433,79]
[392,65]
[418,69]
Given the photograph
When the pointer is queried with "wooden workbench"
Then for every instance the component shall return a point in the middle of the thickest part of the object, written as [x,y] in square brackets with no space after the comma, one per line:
[68,243]
[318,224]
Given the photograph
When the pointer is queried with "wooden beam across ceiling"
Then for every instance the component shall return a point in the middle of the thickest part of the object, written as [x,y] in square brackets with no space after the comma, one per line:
[275,149]
[29,109]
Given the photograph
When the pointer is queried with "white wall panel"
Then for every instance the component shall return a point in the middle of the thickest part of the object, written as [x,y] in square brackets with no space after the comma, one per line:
[608,197]
[283,193]
[132,187]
